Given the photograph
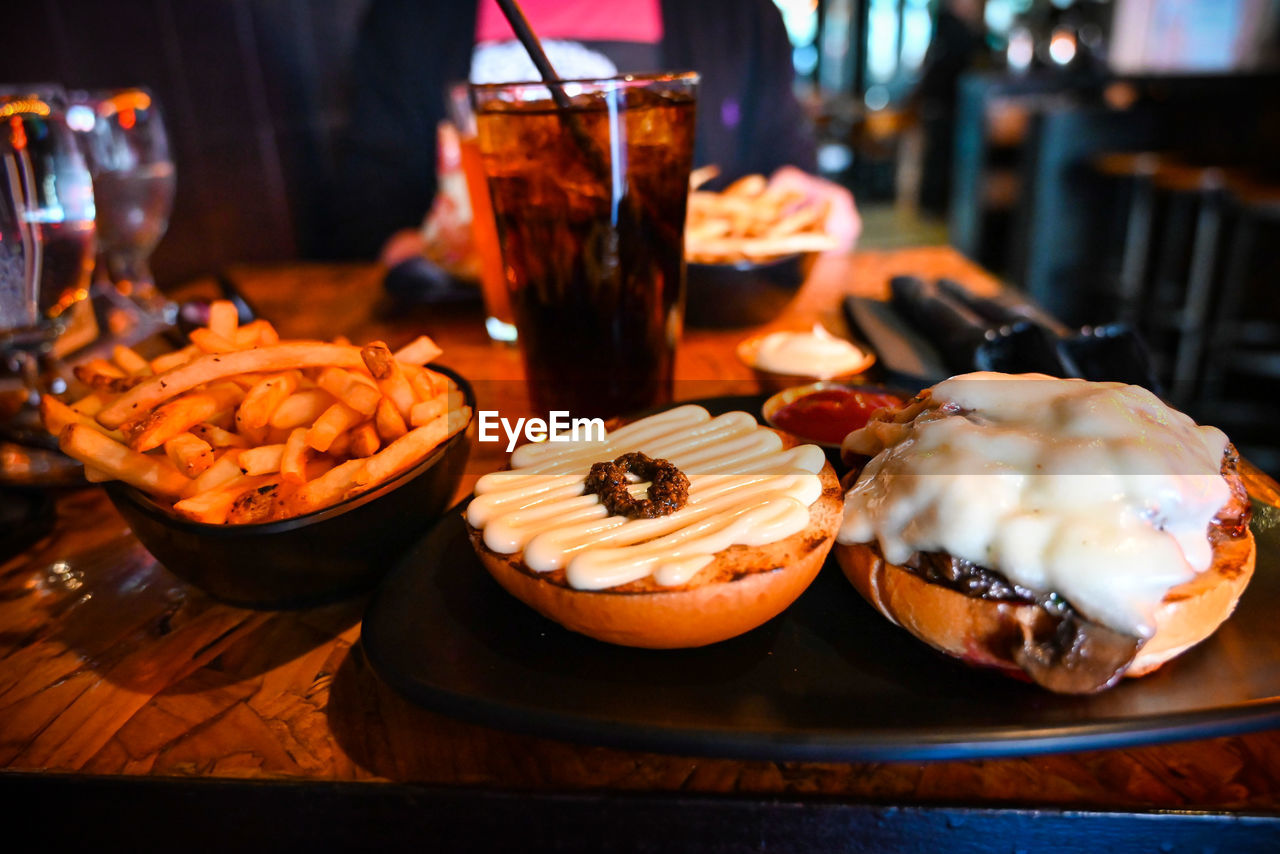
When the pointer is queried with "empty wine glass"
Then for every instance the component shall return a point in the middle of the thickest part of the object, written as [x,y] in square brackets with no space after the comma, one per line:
[46,244]
[123,134]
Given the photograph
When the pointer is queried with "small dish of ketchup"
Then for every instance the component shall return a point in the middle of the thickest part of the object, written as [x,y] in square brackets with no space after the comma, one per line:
[825,412]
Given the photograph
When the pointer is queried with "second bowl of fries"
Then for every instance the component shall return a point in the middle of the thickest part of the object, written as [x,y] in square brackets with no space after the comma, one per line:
[749,248]
[268,473]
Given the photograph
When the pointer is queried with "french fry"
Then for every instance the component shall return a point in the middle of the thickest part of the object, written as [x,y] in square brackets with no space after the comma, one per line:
[212,506]
[352,388]
[255,504]
[105,377]
[337,419]
[389,422]
[301,408]
[129,361]
[293,459]
[169,361]
[180,415]
[56,415]
[748,185]
[224,469]
[264,459]
[212,367]
[755,220]
[364,440]
[255,333]
[419,351]
[428,410]
[327,489]
[408,450]
[341,445]
[208,341]
[91,404]
[702,175]
[190,454]
[218,437]
[390,376]
[224,318]
[155,475]
[261,400]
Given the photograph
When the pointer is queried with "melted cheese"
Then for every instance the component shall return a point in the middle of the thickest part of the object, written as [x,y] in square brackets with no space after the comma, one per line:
[744,489]
[1096,491]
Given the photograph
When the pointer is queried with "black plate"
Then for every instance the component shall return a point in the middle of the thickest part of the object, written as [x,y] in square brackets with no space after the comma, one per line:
[829,679]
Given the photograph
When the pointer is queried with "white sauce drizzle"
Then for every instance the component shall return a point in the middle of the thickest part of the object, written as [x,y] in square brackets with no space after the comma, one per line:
[744,489]
[1096,491]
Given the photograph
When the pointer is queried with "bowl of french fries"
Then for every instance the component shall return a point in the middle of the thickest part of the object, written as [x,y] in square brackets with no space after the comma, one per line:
[748,248]
[270,473]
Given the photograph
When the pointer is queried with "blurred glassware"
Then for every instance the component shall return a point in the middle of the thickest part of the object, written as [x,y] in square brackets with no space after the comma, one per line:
[123,135]
[499,319]
[46,251]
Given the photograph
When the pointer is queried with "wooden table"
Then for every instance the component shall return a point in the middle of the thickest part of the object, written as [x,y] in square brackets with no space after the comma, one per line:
[122,689]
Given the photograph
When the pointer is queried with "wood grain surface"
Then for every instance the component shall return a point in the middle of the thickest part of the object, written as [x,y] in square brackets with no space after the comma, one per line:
[109,665]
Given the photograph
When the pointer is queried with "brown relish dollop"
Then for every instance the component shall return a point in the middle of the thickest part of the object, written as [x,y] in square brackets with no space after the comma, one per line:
[668,487]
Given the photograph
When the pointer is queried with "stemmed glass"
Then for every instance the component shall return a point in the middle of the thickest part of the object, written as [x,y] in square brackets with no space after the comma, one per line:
[46,245]
[122,132]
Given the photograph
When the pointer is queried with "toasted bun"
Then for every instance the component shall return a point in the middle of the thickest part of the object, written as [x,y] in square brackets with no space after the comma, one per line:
[741,589]
[985,632]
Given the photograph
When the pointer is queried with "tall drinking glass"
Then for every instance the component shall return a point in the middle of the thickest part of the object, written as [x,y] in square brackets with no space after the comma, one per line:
[589,197]
[123,133]
[46,239]
[499,321]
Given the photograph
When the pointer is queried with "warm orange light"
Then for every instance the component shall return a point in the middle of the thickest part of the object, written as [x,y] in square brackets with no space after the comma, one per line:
[127,101]
[17,133]
[127,118]
[24,106]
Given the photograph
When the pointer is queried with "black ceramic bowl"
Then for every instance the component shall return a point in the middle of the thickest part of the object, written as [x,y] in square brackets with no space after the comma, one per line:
[308,560]
[743,293]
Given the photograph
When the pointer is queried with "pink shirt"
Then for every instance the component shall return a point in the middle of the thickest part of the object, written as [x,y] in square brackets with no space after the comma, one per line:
[594,21]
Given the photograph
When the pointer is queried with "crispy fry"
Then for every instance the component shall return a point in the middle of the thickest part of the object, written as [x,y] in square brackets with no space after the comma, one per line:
[293,459]
[224,469]
[702,175]
[217,437]
[208,341]
[364,440]
[426,384]
[224,318]
[91,404]
[111,382]
[300,408]
[389,422]
[754,220]
[180,415]
[390,376]
[129,361]
[341,445]
[169,361]
[190,454]
[353,388]
[212,367]
[264,459]
[254,504]
[338,418]
[155,475]
[747,185]
[327,489]
[408,450]
[428,410]
[419,351]
[261,400]
[212,506]
[256,333]
[56,415]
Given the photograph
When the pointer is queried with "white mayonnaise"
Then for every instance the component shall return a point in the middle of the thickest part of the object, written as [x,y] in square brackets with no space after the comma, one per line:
[1096,491]
[817,354]
[744,489]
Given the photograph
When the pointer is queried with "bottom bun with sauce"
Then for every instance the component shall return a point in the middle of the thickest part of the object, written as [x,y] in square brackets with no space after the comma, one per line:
[761,515]
[1066,532]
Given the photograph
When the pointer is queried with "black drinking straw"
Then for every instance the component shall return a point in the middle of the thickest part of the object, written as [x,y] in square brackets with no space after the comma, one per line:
[520,26]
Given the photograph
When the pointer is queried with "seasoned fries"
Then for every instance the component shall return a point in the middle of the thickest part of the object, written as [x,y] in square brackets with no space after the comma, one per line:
[753,221]
[241,428]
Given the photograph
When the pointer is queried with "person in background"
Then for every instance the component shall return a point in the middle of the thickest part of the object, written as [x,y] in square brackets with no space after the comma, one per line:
[410,51]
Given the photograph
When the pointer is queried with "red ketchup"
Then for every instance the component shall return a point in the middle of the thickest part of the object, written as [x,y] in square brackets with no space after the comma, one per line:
[829,414]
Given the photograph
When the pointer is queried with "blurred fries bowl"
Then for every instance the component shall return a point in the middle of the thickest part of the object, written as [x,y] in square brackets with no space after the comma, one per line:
[743,293]
[326,555]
